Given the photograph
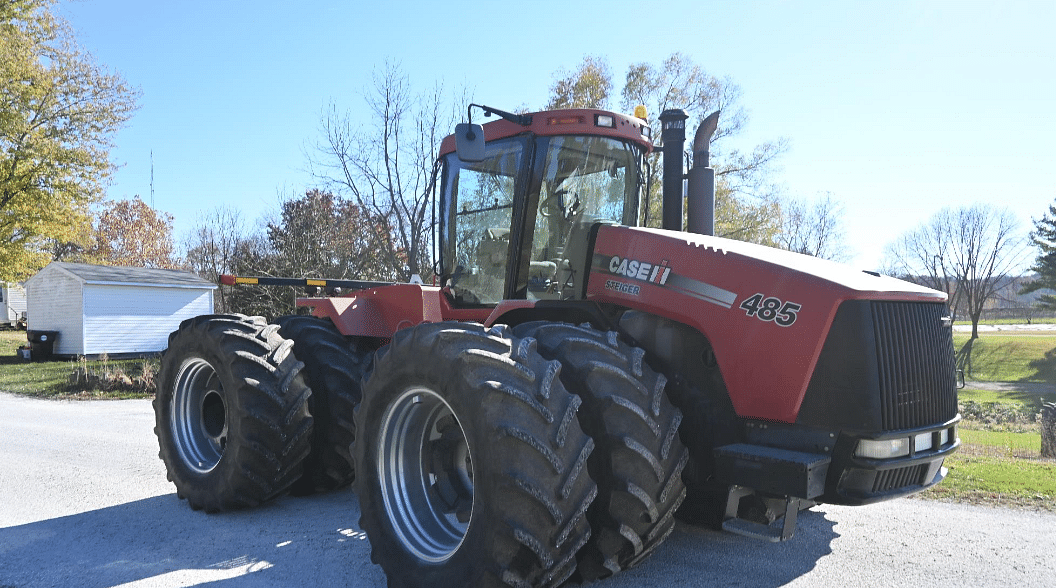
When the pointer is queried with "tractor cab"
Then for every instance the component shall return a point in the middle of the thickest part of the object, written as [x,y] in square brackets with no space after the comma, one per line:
[516,212]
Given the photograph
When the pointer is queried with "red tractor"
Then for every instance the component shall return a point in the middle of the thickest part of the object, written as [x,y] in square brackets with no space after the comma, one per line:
[573,380]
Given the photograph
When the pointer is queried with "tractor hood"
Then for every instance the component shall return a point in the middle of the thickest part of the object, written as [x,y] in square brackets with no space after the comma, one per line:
[701,255]
[744,298]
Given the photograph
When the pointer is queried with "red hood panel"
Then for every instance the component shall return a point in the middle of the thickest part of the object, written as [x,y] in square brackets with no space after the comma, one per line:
[765,311]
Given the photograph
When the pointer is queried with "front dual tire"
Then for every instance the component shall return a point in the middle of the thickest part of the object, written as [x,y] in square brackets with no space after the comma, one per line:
[471,464]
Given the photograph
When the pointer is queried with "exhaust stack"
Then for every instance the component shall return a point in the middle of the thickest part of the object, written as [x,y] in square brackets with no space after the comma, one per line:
[700,190]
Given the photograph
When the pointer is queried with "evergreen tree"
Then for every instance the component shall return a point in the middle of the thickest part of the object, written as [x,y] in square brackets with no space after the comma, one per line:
[1044,237]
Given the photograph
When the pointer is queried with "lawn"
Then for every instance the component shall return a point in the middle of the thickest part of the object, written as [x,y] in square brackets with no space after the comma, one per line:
[1021,357]
[127,378]
[999,462]
[1001,443]
[981,473]
[1011,321]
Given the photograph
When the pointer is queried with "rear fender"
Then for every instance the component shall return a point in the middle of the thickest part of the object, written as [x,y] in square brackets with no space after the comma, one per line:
[379,312]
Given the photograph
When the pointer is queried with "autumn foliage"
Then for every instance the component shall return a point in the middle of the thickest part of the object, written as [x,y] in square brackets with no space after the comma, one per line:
[59,112]
[129,233]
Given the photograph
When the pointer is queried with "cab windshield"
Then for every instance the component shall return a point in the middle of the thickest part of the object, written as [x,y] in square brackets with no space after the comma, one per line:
[565,183]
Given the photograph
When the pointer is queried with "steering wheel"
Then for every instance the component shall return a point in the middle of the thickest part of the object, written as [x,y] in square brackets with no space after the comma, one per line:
[555,202]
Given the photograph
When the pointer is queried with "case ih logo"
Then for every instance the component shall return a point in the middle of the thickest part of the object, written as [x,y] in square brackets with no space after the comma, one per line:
[640,270]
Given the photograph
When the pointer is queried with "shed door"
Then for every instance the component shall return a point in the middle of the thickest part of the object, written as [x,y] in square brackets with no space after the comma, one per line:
[127,319]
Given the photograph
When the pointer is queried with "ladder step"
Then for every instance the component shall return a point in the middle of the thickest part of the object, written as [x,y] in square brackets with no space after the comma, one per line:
[753,530]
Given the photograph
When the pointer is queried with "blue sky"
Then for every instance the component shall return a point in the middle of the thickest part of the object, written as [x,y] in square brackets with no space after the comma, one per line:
[897,108]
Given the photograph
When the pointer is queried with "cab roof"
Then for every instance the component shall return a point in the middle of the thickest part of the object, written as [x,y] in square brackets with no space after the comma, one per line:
[580,121]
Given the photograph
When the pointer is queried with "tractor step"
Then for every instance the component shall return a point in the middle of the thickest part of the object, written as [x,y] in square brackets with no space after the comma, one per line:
[775,471]
[781,529]
[769,471]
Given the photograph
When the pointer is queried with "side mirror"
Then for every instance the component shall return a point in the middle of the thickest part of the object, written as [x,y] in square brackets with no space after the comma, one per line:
[469,142]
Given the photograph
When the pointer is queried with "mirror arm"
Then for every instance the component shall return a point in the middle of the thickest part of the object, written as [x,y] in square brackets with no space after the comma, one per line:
[521,119]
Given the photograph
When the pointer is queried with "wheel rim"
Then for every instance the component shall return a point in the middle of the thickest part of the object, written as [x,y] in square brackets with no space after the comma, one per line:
[199,415]
[426,474]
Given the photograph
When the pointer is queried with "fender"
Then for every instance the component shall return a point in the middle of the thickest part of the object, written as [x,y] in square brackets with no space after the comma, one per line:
[380,312]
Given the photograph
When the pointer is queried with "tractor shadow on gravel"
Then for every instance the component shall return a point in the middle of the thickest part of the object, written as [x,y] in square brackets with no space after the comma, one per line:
[160,542]
[698,557]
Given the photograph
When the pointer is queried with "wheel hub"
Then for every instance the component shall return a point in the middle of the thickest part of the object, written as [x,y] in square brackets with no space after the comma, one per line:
[199,415]
[425,470]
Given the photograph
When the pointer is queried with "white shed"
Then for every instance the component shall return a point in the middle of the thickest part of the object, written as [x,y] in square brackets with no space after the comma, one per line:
[119,311]
[12,304]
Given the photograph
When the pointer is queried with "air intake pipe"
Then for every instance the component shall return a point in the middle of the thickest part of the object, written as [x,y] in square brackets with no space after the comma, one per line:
[673,134]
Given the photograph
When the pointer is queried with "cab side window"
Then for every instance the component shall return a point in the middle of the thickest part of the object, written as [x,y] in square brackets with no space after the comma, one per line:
[480,221]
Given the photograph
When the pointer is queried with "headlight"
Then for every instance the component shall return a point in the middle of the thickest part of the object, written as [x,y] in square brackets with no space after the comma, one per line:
[885,449]
[922,442]
[944,437]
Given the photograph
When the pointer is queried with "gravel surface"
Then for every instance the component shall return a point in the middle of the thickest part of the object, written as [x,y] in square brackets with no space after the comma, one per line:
[84,502]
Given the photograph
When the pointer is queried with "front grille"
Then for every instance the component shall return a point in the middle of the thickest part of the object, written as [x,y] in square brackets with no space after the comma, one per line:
[914,349]
[888,480]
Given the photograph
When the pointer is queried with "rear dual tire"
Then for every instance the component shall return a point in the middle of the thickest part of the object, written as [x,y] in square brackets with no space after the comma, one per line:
[231,412]
[333,367]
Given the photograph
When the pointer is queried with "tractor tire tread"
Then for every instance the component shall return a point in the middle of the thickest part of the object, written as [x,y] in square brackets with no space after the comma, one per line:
[638,459]
[333,368]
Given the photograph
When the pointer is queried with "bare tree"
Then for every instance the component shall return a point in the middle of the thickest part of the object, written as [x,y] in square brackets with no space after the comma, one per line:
[746,202]
[969,252]
[814,228]
[212,246]
[255,256]
[387,167]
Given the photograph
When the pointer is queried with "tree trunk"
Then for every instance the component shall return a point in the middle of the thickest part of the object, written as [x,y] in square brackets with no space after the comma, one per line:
[1048,429]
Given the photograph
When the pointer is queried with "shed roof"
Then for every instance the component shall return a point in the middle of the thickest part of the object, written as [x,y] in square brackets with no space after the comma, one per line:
[138,276]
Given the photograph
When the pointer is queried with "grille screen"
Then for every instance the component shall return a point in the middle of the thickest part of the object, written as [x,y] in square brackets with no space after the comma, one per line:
[888,480]
[918,385]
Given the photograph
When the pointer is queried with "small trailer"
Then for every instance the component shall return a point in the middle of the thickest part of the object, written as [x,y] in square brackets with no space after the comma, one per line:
[12,305]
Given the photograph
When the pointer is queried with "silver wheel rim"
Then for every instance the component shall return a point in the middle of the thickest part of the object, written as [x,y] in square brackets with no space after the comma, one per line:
[199,415]
[426,474]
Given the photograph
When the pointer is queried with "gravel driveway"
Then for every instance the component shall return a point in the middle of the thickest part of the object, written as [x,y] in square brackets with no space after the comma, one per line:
[84,502]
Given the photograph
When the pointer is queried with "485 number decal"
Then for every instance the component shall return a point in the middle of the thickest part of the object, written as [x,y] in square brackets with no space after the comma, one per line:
[768,308]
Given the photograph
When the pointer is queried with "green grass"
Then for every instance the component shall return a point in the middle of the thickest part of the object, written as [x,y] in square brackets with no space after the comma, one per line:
[10,341]
[978,476]
[1025,357]
[1005,443]
[51,379]
[1012,321]
[998,467]
[998,481]
[990,409]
